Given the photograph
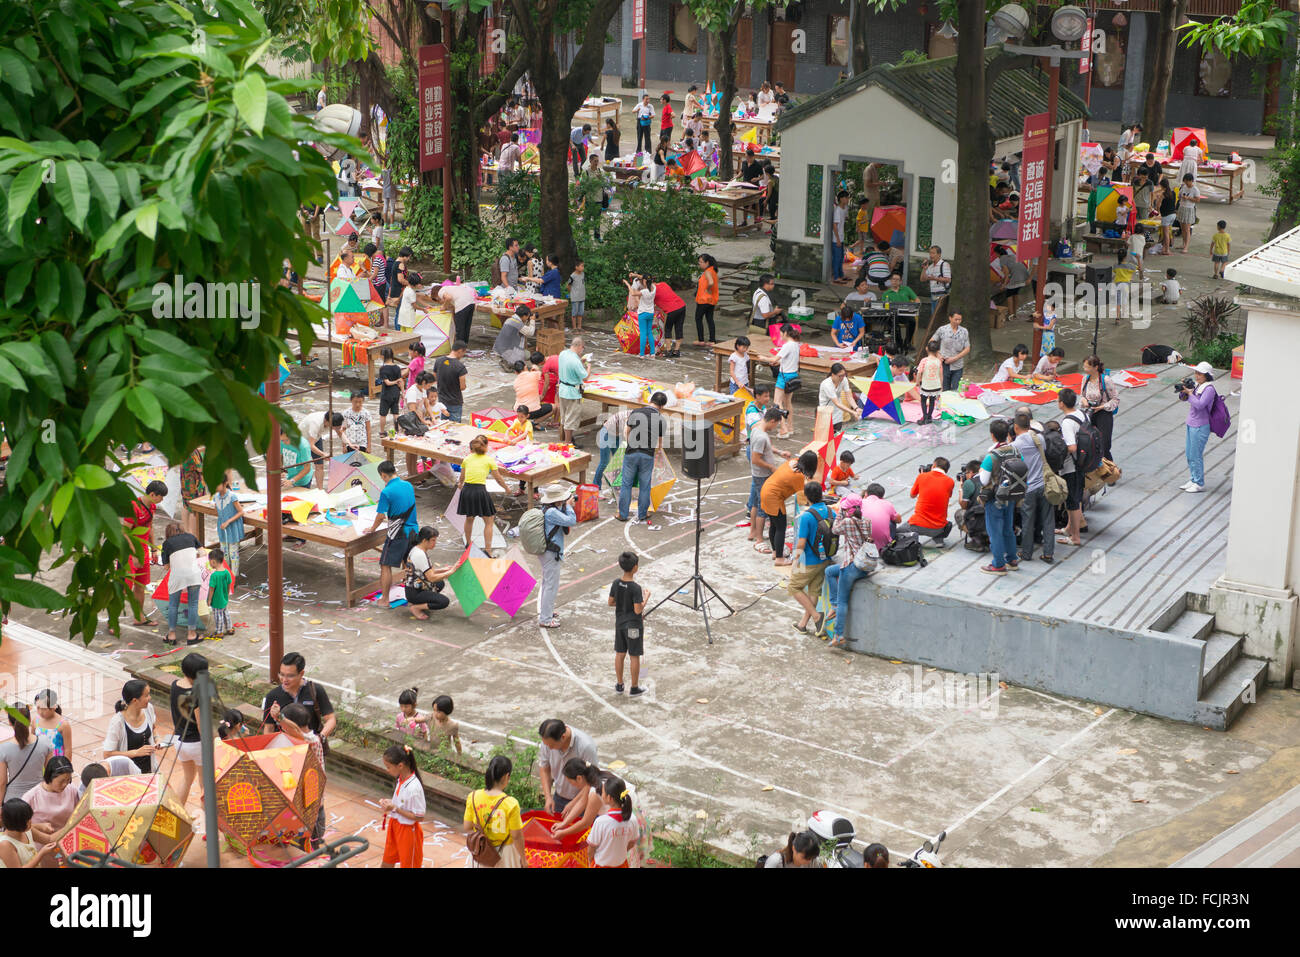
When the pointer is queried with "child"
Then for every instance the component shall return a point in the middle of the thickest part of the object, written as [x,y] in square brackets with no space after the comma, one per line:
[1170,288]
[230,524]
[295,723]
[643,288]
[929,376]
[1046,368]
[232,724]
[1047,322]
[863,223]
[1220,244]
[50,723]
[475,502]
[615,832]
[219,582]
[1011,367]
[787,380]
[356,423]
[404,840]
[738,363]
[415,365]
[578,294]
[390,378]
[408,720]
[441,727]
[848,330]
[627,598]
[666,118]
[551,278]
[841,474]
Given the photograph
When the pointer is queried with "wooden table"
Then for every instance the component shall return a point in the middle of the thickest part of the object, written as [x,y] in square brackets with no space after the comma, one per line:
[548,316]
[742,203]
[346,540]
[625,174]
[415,447]
[595,114]
[760,344]
[732,413]
[739,156]
[1228,178]
[389,340]
[740,127]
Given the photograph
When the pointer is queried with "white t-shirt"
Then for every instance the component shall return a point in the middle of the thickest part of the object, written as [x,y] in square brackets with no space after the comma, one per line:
[1045,367]
[408,796]
[1070,432]
[406,312]
[646,302]
[117,765]
[762,305]
[414,396]
[838,215]
[461,296]
[115,737]
[312,425]
[609,839]
[1169,290]
[788,357]
[937,271]
[739,368]
[826,397]
[1136,244]
[1008,368]
[344,272]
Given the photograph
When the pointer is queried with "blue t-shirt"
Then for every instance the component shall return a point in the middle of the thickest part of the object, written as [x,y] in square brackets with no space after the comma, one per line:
[848,329]
[550,283]
[395,499]
[808,531]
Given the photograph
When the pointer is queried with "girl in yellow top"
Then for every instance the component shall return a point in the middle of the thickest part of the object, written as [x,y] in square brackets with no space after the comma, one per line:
[863,222]
[474,497]
[497,814]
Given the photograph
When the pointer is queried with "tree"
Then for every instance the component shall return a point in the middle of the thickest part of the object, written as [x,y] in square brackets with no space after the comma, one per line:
[1162,71]
[860,50]
[147,144]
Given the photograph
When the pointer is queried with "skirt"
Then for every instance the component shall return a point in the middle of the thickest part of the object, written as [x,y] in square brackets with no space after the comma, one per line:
[475,500]
[1187,213]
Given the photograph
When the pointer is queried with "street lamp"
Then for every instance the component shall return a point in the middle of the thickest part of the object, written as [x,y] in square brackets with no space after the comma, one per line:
[1069,23]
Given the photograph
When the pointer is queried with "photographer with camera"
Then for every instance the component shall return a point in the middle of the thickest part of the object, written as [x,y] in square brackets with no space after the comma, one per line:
[1200,397]
[932,490]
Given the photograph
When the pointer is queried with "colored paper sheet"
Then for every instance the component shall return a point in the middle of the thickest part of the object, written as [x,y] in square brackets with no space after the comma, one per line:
[513,589]
[469,591]
[343,298]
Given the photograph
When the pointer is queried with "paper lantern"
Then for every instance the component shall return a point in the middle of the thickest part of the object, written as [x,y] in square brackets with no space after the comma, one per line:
[886,219]
[268,790]
[543,849]
[134,817]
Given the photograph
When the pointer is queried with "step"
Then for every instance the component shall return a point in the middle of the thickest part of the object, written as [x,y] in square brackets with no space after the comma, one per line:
[1192,624]
[1221,650]
[1237,687]
[1170,614]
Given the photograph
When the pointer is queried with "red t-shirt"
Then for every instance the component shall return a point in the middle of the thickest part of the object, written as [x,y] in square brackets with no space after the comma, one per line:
[841,472]
[667,121]
[666,299]
[932,490]
[550,379]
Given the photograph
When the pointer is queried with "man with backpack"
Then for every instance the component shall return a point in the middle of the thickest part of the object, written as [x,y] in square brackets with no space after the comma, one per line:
[1083,453]
[1003,477]
[1037,512]
[814,547]
[550,526]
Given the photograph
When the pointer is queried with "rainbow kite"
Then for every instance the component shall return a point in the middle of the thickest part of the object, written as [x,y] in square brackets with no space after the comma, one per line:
[504,581]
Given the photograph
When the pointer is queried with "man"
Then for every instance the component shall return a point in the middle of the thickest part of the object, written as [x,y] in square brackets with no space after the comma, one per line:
[345,270]
[876,266]
[397,507]
[810,567]
[880,515]
[835,394]
[954,346]
[644,439]
[1071,421]
[896,292]
[782,97]
[452,376]
[560,744]
[999,517]
[461,300]
[295,689]
[932,490]
[839,215]
[1037,514]
[508,264]
[764,313]
[1034,424]
[939,275]
[511,344]
[572,369]
[861,295]
[313,426]
[578,147]
[763,461]
[511,156]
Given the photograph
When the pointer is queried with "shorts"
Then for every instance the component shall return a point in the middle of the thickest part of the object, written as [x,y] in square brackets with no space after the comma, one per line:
[755,490]
[1168,220]
[1218,259]
[570,414]
[394,551]
[578,307]
[626,644]
[783,378]
[388,406]
[807,578]
[191,751]
[1074,491]
[404,844]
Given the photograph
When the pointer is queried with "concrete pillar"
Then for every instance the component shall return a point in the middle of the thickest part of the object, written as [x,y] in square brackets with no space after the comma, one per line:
[626,46]
[1134,66]
[1256,596]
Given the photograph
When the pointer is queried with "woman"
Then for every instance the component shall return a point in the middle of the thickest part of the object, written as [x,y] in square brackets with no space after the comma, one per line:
[474,499]
[139,528]
[188,751]
[423,581]
[22,757]
[511,345]
[1188,197]
[18,849]
[1200,400]
[130,730]
[801,850]
[497,814]
[706,299]
[583,809]
[1191,159]
[52,800]
[50,723]
[192,487]
[1101,400]
[528,393]
[674,310]
[180,555]
[659,169]
[765,95]
[609,438]
[1168,205]
[611,139]
[854,532]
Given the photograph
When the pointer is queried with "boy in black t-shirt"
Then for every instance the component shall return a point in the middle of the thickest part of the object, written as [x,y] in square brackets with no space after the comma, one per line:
[390,381]
[627,598]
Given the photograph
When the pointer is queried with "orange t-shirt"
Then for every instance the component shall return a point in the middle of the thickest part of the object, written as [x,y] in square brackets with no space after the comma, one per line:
[706,291]
[932,490]
[780,485]
[840,473]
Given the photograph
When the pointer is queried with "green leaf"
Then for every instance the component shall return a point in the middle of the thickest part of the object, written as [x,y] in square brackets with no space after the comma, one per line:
[58,353]
[104,88]
[145,407]
[10,376]
[103,413]
[72,190]
[28,355]
[20,274]
[74,292]
[22,190]
[113,235]
[146,219]
[47,287]
[60,505]
[179,402]
[92,477]
[158,93]
[14,70]
[110,195]
[250,101]
[31,594]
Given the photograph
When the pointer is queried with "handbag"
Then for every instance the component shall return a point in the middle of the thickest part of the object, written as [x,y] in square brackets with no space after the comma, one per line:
[1054,488]
[793,385]
[866,557]
[315,703]
[477,842]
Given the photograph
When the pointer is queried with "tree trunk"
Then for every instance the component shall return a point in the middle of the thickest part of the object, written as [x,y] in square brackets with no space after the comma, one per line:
[557,231]
[713,59]
[1162,73]
[860,52]
[970,271]
[727,38]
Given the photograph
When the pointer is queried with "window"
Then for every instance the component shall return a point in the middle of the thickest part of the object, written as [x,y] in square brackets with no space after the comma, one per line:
[683,31]
[242,798]
[1214,75]
[837,41]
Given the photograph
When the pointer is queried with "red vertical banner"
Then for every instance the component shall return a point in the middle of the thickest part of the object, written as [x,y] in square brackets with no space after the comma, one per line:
[435,128]
[1034,202]
[638,19]
[489,43]
[1086,46]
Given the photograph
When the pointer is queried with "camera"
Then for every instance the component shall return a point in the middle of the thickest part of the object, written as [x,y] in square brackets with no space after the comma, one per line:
[1186,384]
[922,469]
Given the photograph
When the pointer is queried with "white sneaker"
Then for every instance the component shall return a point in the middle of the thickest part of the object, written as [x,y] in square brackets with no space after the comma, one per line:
[1192,487]
[1187,486]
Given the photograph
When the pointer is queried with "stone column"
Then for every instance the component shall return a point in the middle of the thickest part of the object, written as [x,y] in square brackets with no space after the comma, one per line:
[627,54]
[1134,65]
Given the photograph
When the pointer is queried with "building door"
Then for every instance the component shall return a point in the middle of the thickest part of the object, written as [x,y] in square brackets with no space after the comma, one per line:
[781,68]
[744,51]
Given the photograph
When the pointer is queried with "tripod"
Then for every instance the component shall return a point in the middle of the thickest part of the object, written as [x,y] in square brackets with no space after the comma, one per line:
[699,602]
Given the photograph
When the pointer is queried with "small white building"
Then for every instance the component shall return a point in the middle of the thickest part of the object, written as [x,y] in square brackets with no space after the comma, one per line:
[905,116]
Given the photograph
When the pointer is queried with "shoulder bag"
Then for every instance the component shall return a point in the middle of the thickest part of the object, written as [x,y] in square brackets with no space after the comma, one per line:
[315,704]
[1054,488]
[477,842]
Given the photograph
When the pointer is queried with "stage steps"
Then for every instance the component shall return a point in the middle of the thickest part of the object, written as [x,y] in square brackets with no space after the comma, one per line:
[1229,680]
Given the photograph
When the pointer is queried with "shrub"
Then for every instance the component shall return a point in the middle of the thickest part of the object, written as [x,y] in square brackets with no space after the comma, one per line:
[1213,330]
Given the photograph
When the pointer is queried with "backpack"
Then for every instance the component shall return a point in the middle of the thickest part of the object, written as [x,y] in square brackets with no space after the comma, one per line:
[825,543]
[1220,419]
[1087,443]
[903,550]
[977,536]
[1054,488]
[1007,485]
[1054,450]
[408,423]
[532,533]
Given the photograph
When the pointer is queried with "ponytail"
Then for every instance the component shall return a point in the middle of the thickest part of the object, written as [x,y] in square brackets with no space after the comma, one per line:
[403,756]
[787,852]
[615,788]
[20,719]
[131,691]
[576,768]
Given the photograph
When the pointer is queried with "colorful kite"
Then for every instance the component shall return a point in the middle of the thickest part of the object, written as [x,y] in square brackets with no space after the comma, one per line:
[136,817]
[434,329]
[504,581]
[1104,201]
[885,220]
[880,394]
[355,468]
[1185,136]
[502,421]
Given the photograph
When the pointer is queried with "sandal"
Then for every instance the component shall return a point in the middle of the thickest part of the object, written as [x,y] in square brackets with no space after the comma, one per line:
[763,548]
[837,643]
[1065,541]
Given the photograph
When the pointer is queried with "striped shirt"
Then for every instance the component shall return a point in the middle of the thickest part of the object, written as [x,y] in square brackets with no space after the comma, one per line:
[380,262]
[852,533]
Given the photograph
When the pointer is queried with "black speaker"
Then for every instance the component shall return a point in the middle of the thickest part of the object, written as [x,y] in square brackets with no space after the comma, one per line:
[1097,275]
[698,460]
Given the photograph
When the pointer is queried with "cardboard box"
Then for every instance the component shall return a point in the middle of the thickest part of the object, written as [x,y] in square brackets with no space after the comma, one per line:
[1238,361]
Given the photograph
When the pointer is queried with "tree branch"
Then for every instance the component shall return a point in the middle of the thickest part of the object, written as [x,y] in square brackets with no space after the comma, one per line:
[524,18]
[590,55]
[494,101]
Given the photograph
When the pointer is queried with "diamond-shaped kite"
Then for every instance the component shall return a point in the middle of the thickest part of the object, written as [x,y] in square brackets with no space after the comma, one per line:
[434,329]
[343,298]
[494,419]
[355,468]
[133,816]
[346,207]
[879,396]
[345,228]
[504,581]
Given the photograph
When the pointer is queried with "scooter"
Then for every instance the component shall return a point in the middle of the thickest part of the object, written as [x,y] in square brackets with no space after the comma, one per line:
[927,855]
[830,826]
